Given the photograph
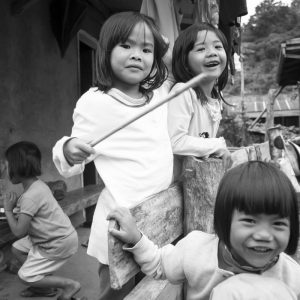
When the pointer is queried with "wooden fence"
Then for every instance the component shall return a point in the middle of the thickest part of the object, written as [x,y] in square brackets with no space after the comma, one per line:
[182,208]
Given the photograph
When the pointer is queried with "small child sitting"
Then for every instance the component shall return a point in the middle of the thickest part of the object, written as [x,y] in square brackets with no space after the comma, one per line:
[48,238]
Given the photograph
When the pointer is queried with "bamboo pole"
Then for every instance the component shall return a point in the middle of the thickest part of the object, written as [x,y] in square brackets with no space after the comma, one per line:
[191,83]
[257,119]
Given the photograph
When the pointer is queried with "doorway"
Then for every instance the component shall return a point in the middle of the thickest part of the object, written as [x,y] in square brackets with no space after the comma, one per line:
[86,65]
[86,74]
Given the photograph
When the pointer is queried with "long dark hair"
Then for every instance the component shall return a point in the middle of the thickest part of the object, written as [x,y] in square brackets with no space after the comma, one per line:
[183,45]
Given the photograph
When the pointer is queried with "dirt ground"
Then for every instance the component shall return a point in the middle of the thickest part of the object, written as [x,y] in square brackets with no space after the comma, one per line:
[80,267]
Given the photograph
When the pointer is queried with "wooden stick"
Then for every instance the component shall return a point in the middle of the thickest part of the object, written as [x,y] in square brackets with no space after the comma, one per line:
[194,81]
[257,119]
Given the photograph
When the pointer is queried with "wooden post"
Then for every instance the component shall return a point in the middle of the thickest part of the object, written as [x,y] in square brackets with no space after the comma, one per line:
[270,111]
[159,218]
[200,184]
[272,95]
[243,108]
[277,153]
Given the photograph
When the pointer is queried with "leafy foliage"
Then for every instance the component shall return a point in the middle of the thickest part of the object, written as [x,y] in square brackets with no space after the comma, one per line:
[272,24]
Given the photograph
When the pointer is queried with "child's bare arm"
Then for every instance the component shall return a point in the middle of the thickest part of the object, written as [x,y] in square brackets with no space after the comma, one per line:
[19,226]
[128,232]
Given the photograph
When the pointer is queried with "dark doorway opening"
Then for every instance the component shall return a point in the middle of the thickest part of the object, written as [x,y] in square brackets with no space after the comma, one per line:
[86,65]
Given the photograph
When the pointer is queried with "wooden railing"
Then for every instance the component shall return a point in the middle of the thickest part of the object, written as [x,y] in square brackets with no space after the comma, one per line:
[175,212]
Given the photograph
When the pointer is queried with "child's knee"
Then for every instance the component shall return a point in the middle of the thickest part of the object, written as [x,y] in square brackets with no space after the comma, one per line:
[22,280]
[28,277]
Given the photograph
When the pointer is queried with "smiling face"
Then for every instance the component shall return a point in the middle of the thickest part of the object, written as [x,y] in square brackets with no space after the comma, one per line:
[256,239]
[131,61]
[208,55]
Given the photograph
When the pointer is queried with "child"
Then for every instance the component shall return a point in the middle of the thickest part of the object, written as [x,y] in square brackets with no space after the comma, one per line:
[255,221]
[194,116]
[48,238]
[137,161]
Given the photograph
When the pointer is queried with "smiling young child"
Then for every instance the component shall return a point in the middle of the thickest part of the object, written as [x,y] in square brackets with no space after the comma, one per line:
[194,116]
[137,161]
[256,229]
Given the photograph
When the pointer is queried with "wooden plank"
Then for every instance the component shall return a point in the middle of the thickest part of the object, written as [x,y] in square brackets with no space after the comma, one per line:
[200,184]
[160,218]
[150,289]
[147,289]
[81,198]
[242,155]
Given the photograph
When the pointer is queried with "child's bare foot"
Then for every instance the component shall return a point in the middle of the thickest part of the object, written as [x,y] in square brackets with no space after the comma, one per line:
[71,288]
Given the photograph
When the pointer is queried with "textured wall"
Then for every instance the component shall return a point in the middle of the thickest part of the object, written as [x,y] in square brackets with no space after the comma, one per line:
[38,88]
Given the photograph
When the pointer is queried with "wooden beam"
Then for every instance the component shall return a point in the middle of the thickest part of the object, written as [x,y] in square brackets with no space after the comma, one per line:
[160,218]
[150,289]
[81,198]
[257,119]
[200,185]
[272,95]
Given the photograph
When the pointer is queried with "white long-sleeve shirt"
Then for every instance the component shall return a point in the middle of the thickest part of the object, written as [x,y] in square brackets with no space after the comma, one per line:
[134,163]
[194,260]
[187,119]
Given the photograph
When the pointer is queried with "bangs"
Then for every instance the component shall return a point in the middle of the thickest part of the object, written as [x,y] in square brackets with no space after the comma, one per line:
[257,198]
[256,187]
[118,28]
[261,190]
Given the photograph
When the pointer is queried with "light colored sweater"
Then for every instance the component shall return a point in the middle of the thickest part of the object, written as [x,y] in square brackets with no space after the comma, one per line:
[134,163]
[194,260]
[187,119]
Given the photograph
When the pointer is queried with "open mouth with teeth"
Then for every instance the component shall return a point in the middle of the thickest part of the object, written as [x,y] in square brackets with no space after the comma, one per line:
[261,249]
[212,64]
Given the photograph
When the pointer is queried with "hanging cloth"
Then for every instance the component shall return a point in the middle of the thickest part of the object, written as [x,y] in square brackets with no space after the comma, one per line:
[165,16]
[229,23]
[206,11]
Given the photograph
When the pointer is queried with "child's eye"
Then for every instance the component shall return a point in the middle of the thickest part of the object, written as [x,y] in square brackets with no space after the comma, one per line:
[200,49]
[282,223]
[248,220]
[125,46]
[146,50]
[219,47]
